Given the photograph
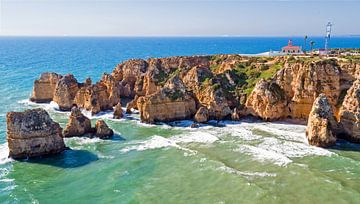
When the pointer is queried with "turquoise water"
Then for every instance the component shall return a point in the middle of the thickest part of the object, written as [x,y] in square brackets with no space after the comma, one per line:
[245,162]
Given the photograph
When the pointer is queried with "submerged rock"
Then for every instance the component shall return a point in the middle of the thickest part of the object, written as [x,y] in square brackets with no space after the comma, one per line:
[118,112]
[350,113]
[103,130]
[322,126]
[65,92]
[44,87]
[33,133]
[78,124]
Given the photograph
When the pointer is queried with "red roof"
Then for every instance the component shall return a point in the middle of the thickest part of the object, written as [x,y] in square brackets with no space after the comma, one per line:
[291,47]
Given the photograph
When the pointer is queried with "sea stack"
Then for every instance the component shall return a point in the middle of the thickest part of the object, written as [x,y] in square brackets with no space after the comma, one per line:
[103,130]
[33,133]
[78,124]
[322,126]
[44,87]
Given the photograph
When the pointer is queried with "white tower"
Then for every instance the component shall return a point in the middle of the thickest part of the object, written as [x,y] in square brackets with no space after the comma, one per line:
[327,37]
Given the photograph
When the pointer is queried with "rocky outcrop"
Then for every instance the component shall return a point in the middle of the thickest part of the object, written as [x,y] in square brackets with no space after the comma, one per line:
[44,87]
[304,81]
[202,115]
[322,126]
[112,89]
[168,104]
[33,133]
[132,105]
[102,130]
[94,98]
[65,92]
[207,94]
[118,112]
[100,96]
[350,113]
[78,124]
[267,100]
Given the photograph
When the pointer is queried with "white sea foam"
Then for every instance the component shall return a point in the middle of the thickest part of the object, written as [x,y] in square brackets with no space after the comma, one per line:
[196,137]
[246,174]
[289,142]
[157,142]
[264,155]
[48,106]
[84,140]
[101,115]
[154,142]
[4,154]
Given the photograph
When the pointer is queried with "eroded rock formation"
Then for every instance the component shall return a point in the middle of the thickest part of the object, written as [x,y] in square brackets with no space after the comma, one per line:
[65,92]
[103,130]
[170,103]
[44,87]
[33,133]
[267,100]
[322,126]
[350,113]
[118,112]
[226,86]
[202,115]
[78,124]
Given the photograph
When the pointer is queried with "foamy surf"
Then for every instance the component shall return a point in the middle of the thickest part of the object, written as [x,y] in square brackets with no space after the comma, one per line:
[4,154]
[157,142]
[154,142]
[52,106]
[246,174]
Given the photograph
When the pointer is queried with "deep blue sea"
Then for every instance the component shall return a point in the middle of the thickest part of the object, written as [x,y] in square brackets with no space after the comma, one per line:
[245,162]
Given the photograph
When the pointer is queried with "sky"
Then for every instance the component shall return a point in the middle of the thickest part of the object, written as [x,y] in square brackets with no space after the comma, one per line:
[178,18]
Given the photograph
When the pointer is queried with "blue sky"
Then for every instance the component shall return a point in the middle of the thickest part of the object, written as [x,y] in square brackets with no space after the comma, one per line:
[177,18]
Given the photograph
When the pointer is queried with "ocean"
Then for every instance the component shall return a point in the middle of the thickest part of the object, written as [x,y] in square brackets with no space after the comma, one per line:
[237,162]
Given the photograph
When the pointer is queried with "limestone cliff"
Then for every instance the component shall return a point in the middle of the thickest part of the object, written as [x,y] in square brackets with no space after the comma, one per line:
[268,101]
[304,81]
[322,126]
[170,103]
[78,124]
[44,87]
[350,113]
[65,92]
[33,133]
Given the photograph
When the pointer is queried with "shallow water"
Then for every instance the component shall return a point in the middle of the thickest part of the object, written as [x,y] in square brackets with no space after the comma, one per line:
[227,162]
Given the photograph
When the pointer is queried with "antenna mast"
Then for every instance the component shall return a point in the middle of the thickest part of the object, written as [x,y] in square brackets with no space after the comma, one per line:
[327,37]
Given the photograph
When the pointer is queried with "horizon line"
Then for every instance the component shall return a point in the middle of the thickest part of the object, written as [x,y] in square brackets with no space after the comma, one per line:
[174,36]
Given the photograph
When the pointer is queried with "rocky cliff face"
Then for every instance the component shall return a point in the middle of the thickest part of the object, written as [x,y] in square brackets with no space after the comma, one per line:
[65,92]
[267,100]
[94,98]
[322,126]
[350,113]
[170,103]
[222,86]
[304,81]
[33,133]
[78,124]
[44,87]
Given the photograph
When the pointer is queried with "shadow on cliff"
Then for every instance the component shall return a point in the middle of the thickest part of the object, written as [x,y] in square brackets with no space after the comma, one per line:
[68,159]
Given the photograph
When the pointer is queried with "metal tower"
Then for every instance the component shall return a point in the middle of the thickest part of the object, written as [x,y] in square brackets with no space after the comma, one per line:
[327,37]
